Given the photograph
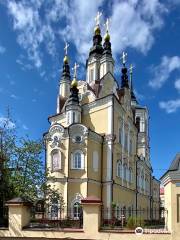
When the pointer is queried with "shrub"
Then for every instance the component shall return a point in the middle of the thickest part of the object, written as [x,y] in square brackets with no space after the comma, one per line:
[134,222]
[131,223]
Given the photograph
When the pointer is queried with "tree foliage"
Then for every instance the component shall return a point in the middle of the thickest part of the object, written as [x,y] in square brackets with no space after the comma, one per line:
[22,168]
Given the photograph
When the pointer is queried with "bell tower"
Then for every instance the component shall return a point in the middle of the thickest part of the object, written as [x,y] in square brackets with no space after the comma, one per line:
[107,61]
[65,81]
[95,54]
[73,109]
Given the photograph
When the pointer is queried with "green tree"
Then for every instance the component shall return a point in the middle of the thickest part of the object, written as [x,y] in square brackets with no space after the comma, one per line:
[28,175]
[22,168]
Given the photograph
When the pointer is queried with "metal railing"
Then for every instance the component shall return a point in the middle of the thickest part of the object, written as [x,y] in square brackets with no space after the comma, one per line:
[130,219]
[55,216]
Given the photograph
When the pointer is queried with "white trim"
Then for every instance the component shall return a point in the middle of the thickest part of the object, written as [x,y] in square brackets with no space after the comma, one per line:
[72,160]
[59,167]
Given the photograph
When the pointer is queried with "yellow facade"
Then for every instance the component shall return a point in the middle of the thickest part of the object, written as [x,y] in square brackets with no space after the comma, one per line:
[98,141]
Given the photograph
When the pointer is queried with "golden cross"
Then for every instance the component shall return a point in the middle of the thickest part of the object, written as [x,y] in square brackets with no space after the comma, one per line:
[66,48]
[75,69]
[97,18]
[124,55]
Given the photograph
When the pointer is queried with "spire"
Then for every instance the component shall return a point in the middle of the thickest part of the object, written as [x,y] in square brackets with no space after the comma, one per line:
[74,98]
[97,39]
[133,97]
[66,69]
[124,77]
[107,43]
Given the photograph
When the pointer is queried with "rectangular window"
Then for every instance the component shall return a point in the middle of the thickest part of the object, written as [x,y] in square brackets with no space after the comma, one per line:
[130,147]
[74,117]
[126,142]
[91,75]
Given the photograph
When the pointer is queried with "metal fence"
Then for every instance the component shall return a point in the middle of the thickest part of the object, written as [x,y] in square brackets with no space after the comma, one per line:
[56,216]
[122,218]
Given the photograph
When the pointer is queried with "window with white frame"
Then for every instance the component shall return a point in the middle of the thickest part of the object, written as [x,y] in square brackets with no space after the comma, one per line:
[56,160]
[126,142]
[138,180]
[142,124]
[125,172]
[95,161]
[120,136]
[130,175]
[77,160]
[91,74]
[74,117]
[76,210]
[131,146]
[54,208]
[119,169]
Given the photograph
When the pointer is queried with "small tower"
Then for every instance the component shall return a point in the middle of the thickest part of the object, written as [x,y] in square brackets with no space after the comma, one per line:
[106,62]
[125,89]
[65,81]
[73,109]
[133,97]
[95,54]
[124,77]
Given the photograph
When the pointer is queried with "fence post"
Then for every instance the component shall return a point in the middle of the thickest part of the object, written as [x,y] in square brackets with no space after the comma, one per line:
[91,214]
[19,215]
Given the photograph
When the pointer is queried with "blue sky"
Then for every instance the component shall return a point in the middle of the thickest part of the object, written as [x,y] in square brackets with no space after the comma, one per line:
[32,36]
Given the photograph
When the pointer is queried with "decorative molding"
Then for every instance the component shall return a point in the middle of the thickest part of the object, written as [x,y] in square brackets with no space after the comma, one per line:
[74,180]
[110,137]
[97,103]
[95,136]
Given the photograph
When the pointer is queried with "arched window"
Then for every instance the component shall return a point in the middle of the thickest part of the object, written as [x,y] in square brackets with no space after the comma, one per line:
[138,123]
[56,160]
[74,117]
[120,136]
[77,160]
[130,175]
[54,208]
[125,172]
[119,169]
[138,178]
[76,210]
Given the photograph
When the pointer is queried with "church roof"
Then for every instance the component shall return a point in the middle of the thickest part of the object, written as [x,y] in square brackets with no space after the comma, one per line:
[175,165]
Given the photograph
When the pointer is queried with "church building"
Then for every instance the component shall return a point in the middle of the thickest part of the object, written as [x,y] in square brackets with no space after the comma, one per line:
[98,140]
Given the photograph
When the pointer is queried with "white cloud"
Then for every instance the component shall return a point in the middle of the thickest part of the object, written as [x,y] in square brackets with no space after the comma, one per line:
[170,106]
[25,127]
[2,49]
[163,70]
[5,122]
[14,96]
[177,84]
[132,25]
[24,66]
